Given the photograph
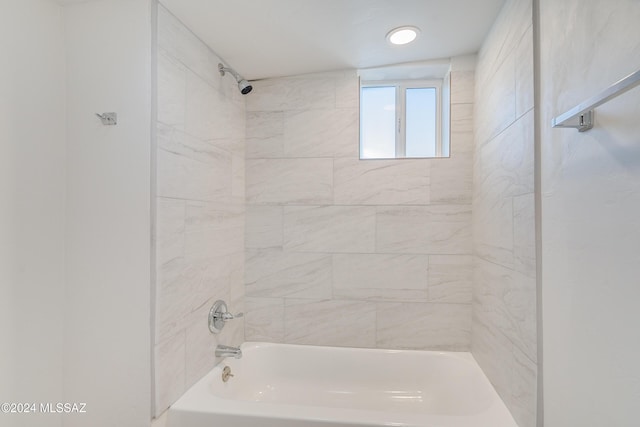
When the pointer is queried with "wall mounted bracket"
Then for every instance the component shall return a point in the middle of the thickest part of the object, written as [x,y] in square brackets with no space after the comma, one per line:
[108,119]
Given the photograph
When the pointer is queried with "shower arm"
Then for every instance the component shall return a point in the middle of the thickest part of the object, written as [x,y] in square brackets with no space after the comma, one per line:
[222,69]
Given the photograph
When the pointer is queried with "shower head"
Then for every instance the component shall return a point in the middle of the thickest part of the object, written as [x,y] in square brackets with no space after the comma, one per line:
[243,85]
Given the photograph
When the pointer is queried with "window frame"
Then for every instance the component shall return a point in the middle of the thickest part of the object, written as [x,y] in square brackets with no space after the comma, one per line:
[401,87]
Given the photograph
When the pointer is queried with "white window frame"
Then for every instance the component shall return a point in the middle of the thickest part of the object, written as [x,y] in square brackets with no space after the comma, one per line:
[401,88]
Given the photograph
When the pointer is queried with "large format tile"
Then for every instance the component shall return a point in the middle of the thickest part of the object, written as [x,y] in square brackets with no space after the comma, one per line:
[450,278]
[462,86]
[348,90]
[265,134]
[179,42]
[332,322]
[381,182]
[189,168]
[264,226]
[208,115]
[289,181]
[200,344]
[379,277]
[452,179]
[499,91]
[524,74]
[264,319]
[436,229]
[172,88]
[321,133]
[170,225]
[292,93]
[506,300]
[213,229]
[524,234]
[424,326]
[274,273]
[182,286]
[169,362]
[329,228]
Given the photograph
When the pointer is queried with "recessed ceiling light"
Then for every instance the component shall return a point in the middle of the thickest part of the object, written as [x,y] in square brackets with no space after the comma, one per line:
[403,35]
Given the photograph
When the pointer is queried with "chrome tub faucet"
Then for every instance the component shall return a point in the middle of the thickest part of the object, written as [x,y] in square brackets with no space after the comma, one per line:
[226,351]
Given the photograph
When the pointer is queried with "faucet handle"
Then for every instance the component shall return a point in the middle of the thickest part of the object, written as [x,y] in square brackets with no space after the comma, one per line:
[218,315]
[228,316]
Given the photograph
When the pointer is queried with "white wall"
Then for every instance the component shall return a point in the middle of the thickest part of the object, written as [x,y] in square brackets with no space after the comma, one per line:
[32,203]
[590,216]
[504,340]
[200,209]
[335,243]
[107,307]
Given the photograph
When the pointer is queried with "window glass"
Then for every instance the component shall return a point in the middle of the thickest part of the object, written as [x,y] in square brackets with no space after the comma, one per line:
[421,116]
[377,122]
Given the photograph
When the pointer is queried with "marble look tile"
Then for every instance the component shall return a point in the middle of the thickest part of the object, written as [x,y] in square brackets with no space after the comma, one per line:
[452,179]
[514,19]
[264,319]
[462,87]
[379,277]
[170,381]
[236,281]
[507,301]
[200,344]
[204,109]
[171,91]
[524,234]
[191,169]
[513,375]
[493,230]
[234,145]
[348,90]
[436,229]
[329,228]
[461,118]
[381,182]
[523,393]
[180,43]
[461,142]
[498,93]
[293,93]
[173,297]
[182,286]
[289,181]
[264,227]
[321,133]
[274,273]
[450,278]
[170,224]
[265,134]
[493,352]
[524,74]
[424,326]
[238,178]
[213,229]
[505,169]
[330,322]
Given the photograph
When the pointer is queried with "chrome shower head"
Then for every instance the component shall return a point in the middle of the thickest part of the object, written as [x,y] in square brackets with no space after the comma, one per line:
[243,85]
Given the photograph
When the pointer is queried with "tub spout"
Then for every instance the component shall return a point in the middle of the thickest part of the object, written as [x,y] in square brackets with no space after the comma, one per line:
[226,351]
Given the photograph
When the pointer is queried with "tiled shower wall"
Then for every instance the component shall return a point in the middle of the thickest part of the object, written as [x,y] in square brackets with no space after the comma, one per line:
[504,298]
[349,252]
[199,208]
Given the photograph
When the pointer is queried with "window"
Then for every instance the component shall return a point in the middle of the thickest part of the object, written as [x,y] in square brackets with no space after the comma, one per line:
[402,119]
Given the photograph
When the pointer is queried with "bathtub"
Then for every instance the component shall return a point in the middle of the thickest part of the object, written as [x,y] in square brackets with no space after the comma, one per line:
[281,385]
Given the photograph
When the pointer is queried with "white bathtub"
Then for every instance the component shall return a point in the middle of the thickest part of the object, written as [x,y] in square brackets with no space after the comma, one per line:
[279,385]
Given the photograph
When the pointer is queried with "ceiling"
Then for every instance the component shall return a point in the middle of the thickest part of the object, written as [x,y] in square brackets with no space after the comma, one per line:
[269,38]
